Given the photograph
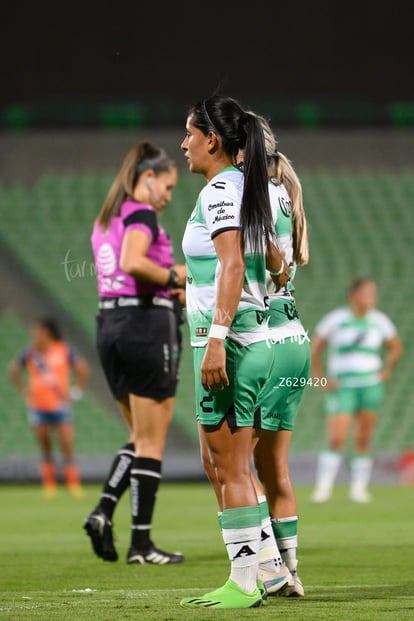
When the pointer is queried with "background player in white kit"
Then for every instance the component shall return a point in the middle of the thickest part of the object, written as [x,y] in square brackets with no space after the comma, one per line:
[355,336]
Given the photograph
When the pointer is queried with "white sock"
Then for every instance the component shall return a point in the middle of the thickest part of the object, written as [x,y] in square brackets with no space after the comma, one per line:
[361,468]
[327,470]
[269,555]
[242,547]
[286,531]
[241,536]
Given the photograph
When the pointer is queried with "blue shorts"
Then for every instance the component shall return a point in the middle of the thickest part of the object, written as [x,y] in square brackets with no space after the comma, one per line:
[38,417]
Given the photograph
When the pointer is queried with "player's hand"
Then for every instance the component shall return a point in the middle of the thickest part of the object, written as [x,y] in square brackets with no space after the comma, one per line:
[283,278]
[75,393]
[273,264]
[213,366]
[384,375]
[179,293]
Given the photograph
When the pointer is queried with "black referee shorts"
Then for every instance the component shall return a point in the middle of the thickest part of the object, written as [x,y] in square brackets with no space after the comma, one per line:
[139,349]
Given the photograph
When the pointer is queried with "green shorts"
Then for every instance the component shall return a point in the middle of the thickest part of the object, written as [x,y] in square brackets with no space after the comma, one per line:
[351,400]
[247,368]
[282,393]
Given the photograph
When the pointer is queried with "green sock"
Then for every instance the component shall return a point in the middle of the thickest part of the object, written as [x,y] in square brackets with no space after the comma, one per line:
[286,533]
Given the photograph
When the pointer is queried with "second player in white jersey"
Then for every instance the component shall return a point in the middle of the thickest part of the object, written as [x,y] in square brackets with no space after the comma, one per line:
[355,343]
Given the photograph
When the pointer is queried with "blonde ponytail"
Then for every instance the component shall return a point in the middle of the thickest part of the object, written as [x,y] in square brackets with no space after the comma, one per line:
[283,172]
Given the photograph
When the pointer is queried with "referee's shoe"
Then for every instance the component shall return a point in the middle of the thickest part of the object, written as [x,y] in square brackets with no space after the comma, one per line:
[99,528]
[153,556]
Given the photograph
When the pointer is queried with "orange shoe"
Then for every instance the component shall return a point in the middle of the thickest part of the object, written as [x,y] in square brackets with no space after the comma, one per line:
[76,491]
[48,476]
[50,491]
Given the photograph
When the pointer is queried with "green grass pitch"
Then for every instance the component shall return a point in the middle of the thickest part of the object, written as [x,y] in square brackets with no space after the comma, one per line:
[356,561]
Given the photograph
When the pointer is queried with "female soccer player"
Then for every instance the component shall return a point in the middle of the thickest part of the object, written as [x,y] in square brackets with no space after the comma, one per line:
[354,336]
[50,363]
[283,391]
[281,397]
[227,247]
[138,341]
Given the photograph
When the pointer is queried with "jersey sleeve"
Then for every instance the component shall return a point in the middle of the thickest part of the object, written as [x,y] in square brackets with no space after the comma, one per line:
[144,220]
[325,327]
[388,327]
[220,204]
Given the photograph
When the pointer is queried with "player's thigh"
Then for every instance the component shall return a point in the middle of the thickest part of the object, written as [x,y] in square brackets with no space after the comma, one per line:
[371,397]
[344,400]
[279,401]
[253,364]
[247,369]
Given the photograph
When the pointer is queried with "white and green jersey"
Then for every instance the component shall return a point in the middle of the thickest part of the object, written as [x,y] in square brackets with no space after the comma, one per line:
[284,320]
[354,355]
[217,210]
[282,218]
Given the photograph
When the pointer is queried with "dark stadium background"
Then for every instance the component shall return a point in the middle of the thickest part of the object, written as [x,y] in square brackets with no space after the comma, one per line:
[82,81]
[178,52]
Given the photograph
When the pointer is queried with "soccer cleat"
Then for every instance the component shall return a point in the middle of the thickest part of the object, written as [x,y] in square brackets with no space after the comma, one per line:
[263,592]
[360,495]
[228,596]
[99,528]
[50,491]
[153,556]
[48,475]
[275,581]
[75,490]
[295,587]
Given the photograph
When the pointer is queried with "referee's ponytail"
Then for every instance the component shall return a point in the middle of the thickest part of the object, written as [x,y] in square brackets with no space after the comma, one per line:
[141,157]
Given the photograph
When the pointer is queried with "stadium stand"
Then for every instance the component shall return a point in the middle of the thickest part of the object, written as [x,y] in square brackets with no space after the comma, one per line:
[359,223]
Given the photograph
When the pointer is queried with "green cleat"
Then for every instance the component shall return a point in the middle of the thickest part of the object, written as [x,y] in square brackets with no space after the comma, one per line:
[229,595]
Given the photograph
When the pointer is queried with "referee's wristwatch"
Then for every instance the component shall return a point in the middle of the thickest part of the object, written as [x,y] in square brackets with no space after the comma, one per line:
[172,282]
